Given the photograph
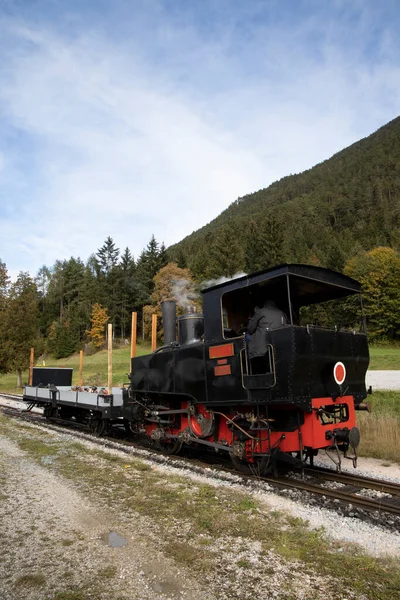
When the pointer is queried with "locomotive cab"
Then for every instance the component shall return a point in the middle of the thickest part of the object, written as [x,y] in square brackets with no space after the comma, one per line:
[323,326]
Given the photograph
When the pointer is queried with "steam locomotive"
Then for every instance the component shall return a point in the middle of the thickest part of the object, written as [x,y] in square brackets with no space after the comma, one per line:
[297,396]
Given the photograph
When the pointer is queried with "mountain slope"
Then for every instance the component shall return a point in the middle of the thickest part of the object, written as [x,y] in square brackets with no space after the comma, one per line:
[324,215]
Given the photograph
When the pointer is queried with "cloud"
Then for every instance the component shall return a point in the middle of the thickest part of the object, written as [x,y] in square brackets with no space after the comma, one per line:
[159,130]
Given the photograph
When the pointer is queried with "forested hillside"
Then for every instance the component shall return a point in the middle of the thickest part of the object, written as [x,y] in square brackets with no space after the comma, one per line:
[325,215]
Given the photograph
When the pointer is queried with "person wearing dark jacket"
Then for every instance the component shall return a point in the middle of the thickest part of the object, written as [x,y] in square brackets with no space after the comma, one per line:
[267,317]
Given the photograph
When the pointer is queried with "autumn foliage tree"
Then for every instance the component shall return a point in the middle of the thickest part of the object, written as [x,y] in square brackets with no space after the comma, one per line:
[98,319]
[379,273]
[171,283]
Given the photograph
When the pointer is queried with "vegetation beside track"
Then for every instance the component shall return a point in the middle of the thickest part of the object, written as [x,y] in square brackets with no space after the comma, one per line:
[380,429]
[193,521]
[384,358]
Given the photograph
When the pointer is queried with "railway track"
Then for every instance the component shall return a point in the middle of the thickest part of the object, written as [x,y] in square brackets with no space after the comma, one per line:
[365,493]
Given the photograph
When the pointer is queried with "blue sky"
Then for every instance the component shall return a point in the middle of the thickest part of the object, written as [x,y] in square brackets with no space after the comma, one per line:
[127,118]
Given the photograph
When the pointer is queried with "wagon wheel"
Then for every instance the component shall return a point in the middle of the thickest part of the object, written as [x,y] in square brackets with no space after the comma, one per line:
[261,466]
[98,427]
[128,427]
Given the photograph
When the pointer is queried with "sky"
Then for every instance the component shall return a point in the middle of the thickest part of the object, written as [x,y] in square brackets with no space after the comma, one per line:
[128,118]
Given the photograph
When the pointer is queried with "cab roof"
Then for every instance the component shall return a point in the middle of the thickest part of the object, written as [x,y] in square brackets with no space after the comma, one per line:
[300,277]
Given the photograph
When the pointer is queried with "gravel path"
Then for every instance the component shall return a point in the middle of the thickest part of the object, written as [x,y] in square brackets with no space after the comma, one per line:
[51,533]
[383,380]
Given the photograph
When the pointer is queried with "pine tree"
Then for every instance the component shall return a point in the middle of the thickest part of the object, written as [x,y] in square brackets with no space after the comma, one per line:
[4,290]
[162,256]
[254,258]
[180,259]
[225,254]
[4,286]
[149,263]
[126,289]
[107,256]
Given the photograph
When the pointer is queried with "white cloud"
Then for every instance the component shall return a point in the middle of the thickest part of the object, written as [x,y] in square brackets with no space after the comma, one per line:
[125,145]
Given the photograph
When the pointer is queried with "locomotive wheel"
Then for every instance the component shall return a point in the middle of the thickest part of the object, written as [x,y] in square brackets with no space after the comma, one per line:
[168,446]
[98,427]
[261,466]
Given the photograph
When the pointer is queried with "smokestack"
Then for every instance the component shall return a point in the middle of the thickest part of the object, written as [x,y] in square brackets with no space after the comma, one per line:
[168,309]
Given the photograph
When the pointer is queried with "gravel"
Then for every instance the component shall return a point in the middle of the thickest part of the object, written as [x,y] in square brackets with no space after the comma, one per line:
[48,529]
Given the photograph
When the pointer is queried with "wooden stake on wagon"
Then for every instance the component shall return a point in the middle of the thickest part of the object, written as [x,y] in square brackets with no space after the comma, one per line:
[80,380]
[31,363]
[153,332]
[133,335]
[110,333]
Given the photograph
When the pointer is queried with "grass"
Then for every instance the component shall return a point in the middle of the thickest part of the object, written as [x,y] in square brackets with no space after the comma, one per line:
[384,358]
[31,580]
[380,429]
[201,511]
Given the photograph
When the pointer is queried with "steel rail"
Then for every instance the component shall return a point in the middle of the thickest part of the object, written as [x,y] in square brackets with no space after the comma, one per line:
[371,504]
[380,485]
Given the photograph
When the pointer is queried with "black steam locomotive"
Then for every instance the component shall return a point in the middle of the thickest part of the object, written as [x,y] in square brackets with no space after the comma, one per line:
[296,396]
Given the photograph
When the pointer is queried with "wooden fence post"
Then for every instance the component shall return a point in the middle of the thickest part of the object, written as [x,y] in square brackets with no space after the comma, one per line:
[80,380]
[31,363]
[110,342]
[153,332]
[133,334]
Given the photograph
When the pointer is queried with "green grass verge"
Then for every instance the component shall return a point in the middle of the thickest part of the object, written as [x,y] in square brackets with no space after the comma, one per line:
[380,429]
[384,358]
[209,513]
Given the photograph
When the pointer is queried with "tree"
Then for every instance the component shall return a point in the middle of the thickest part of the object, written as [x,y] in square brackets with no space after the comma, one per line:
[264,244]
[4,285]
[20,329]
[108,277]
[4,289]
[98,319]
[225,254]
[151,260]
[180,259]
[379,273]
[107,256]
[126,289]
[63,338]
